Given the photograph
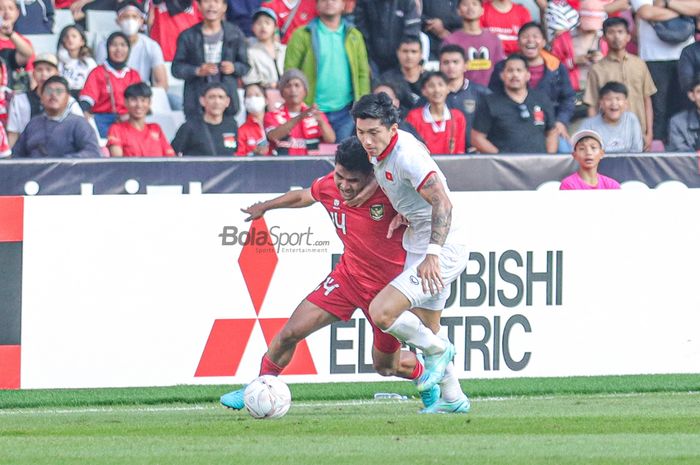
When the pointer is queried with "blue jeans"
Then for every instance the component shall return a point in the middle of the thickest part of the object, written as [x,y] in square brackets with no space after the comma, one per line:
[342,123]
[103,121]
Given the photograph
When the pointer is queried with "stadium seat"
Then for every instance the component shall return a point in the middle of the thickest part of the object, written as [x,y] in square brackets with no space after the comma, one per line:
[169,122]
[100,24]
[174,84]
[44,43]
[634,185]
[61,19]
[241,115]
[159,101]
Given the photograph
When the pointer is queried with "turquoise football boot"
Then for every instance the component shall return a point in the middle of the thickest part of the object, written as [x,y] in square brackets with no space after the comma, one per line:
[234,399]
[435,366]
[441,406]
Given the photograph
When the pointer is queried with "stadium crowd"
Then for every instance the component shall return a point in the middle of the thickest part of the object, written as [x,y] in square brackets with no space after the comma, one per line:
[124,78]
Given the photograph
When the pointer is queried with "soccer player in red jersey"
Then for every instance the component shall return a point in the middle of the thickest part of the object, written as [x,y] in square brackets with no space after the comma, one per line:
[369,262]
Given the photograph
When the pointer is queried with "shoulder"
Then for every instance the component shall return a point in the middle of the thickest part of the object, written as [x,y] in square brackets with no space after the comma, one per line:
[679,119]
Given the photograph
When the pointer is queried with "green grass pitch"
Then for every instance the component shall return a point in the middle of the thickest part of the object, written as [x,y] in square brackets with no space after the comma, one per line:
[634,420]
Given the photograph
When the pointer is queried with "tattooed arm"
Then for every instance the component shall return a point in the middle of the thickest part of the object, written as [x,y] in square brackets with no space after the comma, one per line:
[433,191]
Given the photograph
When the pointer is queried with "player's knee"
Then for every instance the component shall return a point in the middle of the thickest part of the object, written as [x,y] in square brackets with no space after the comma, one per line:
[289,336]
[380,314]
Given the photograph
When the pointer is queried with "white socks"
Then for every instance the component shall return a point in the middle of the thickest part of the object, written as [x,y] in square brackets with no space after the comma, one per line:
[449,386]
[409,329]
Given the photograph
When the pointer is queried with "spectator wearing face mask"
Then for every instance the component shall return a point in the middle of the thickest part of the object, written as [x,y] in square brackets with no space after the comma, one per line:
[251,135]
[214,132]
[145,55]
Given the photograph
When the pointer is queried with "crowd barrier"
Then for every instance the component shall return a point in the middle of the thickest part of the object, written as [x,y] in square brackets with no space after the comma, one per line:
[144,290]
[278,174]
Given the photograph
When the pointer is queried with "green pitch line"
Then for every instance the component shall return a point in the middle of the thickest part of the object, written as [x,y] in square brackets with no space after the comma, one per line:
[340,391]
[658,428]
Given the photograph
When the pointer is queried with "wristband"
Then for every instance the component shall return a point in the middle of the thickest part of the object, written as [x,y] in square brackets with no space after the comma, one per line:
[434,249]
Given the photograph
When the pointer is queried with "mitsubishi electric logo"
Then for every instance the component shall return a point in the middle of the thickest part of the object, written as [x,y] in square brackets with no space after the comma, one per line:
[229,338]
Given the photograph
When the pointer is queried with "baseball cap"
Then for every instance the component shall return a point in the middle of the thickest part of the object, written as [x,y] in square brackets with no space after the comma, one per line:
[129,4]
[263,10]
[49,58]
[576,138]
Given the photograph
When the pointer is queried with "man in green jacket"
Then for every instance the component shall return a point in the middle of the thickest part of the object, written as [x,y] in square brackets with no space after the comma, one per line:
[332,54]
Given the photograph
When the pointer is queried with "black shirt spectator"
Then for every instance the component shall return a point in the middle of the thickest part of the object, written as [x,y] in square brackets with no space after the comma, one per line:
[689,66]
[384,23]
[439,19]
[409,72]
[197,137]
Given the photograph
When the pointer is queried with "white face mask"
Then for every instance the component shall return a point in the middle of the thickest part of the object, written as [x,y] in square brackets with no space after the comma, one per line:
[255,104]
[130,26]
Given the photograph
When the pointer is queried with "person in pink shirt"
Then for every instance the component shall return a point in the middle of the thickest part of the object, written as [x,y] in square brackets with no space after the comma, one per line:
[588,151]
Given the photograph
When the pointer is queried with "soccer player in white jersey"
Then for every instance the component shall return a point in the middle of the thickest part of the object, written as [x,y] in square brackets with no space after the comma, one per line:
[436,250]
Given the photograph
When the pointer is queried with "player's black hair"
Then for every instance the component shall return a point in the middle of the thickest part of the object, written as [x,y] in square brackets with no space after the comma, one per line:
[376,106]
[352,156]
[615,21]
[613,86]
[531,25]
[452,48]
[140,89]
[427,76]
[515,57]
[56,80]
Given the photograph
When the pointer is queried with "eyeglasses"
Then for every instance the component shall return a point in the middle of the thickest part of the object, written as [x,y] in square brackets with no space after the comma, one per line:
[524,112]
[54,91]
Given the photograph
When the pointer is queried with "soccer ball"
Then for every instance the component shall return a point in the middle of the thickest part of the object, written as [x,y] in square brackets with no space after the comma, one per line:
[267,397]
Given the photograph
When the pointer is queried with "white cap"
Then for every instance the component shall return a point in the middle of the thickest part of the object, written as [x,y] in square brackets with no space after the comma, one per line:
[586,133]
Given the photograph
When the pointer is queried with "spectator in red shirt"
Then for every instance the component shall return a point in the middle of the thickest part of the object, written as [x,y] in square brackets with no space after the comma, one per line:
[103,94]
[167,19]
[296,128]
[443,129]
[134,137]
[15,49]
[291,14]
[504,18]
[251,135]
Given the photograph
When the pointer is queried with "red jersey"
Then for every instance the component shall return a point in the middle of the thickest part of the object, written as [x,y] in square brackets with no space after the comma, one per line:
[166,28]
[250,135]
[505,25]
[444,137]
[303,137]
[7,43]
[370,258]
[147,142]
[104,88]
[305,13]
[5,149]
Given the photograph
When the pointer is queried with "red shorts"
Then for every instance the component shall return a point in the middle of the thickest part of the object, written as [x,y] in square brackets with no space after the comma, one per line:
[340,296]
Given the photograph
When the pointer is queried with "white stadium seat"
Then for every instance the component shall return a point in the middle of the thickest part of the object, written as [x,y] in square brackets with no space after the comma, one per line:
[159,101]
[169,122]
[61,19]
[44,43]
[100,24]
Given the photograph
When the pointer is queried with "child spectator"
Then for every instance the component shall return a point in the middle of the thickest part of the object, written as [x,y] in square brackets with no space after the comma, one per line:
[482,48]
[443,129]
[619,128]
[251,135]
[621,66]
[75,59]
[103,94]
[504,18]
[266,56]
[684,128]
[135,137]
[212,134]
[167,19]
[296,128]
[211,51]
[588,151]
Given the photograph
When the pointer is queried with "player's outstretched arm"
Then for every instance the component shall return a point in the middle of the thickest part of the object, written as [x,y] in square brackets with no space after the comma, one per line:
[293,199]
[433,191]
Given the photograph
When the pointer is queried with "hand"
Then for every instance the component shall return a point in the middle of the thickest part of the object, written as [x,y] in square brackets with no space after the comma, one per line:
[226,67]
[429,273]
[594,56]
[208,69]
[261,149]
[76,9]
[7,28]
[436,26]
[561,130]
[398,221]
[312,112]
[648,137]
[255,211]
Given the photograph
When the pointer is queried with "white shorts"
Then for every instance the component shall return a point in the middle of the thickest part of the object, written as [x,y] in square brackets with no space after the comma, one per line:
[453,260]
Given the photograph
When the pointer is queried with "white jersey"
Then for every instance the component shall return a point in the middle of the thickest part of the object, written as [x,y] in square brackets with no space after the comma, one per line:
[401,174]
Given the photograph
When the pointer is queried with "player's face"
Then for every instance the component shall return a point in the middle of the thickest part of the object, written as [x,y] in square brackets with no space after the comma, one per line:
[373,135]
[452,65]
[470,9]
[617,37]
[409,55]
[531,42]
[138,107]
[349,183]
[588,153]
[612,105]
[435,90]
[515,75]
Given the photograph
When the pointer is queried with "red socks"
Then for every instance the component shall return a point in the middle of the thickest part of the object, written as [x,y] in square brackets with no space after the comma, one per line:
[417,370]
[268,367]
